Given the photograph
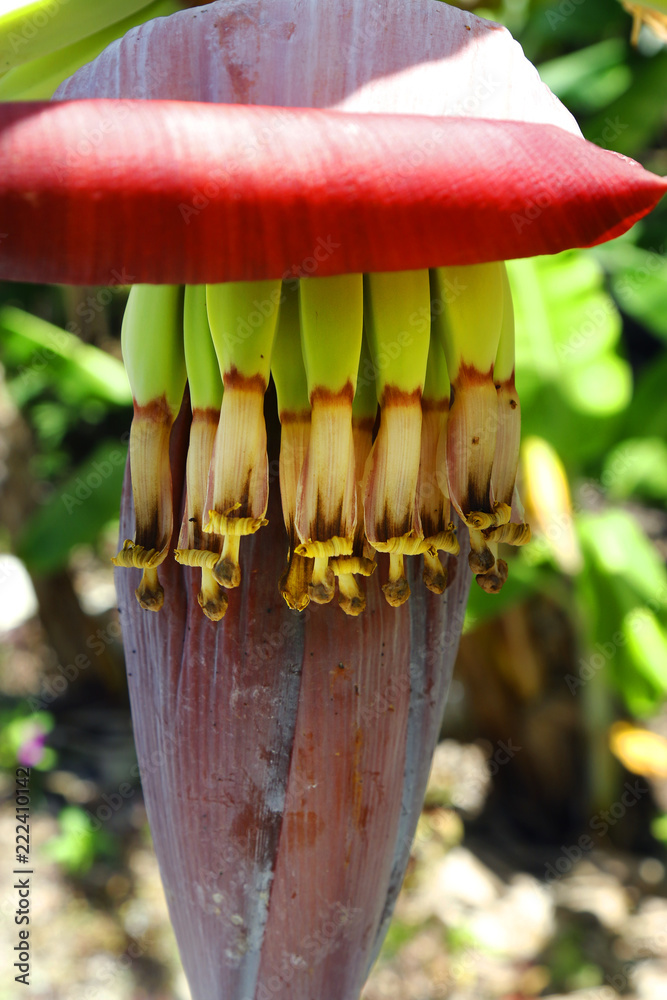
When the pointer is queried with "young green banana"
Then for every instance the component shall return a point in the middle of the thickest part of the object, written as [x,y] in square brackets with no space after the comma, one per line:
[243,317]
[195,547]
[506,458]
[432,491]
[152,344]
[471,299]
[397,320]
[289,376]
[331,312]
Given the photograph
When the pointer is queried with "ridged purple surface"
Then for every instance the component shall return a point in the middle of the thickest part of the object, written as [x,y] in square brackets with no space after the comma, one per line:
[284,759]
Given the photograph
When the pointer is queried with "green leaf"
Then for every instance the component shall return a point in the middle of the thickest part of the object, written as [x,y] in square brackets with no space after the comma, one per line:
[572,382]
[637,467]
[625,609]
[621,549]
[635,119]
[589,78]
[38,79]
[77,512]
[43,351]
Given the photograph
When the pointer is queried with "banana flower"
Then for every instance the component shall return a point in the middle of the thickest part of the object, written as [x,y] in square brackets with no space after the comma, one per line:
[284,746]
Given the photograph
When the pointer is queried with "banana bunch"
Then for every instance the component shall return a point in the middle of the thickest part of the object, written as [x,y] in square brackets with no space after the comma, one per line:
[331,316]
[196,547]
[243,316]
[289,376]
[433,501]
[477,334]
[397,321]
[152,344]
[361,562]
[434,350]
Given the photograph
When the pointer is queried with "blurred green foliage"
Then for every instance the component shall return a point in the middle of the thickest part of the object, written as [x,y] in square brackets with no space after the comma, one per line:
[78,844]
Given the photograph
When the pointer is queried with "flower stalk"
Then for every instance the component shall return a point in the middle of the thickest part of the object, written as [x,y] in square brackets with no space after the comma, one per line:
[153,321]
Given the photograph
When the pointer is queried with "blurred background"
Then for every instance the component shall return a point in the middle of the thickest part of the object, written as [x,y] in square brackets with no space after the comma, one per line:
[540,863]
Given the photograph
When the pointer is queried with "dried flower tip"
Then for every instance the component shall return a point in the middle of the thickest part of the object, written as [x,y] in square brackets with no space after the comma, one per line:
[493,581]
[480,557]
[212,598]
[397,589]
[435,574]
[243,316]
[512,533]
[351,598]
[149,593]
[323,583]
[295,582]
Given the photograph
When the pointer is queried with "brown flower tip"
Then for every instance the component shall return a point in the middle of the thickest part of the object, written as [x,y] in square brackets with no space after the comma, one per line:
[397,589]
[322,586]
[351,598]
[151,486]
[295,582]
[150,594]
[212,598]
[435,574]
[494,579]
[197,548]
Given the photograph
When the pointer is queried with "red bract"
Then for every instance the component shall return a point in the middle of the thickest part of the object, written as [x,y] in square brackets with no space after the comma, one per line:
[115,183]
[246,192]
